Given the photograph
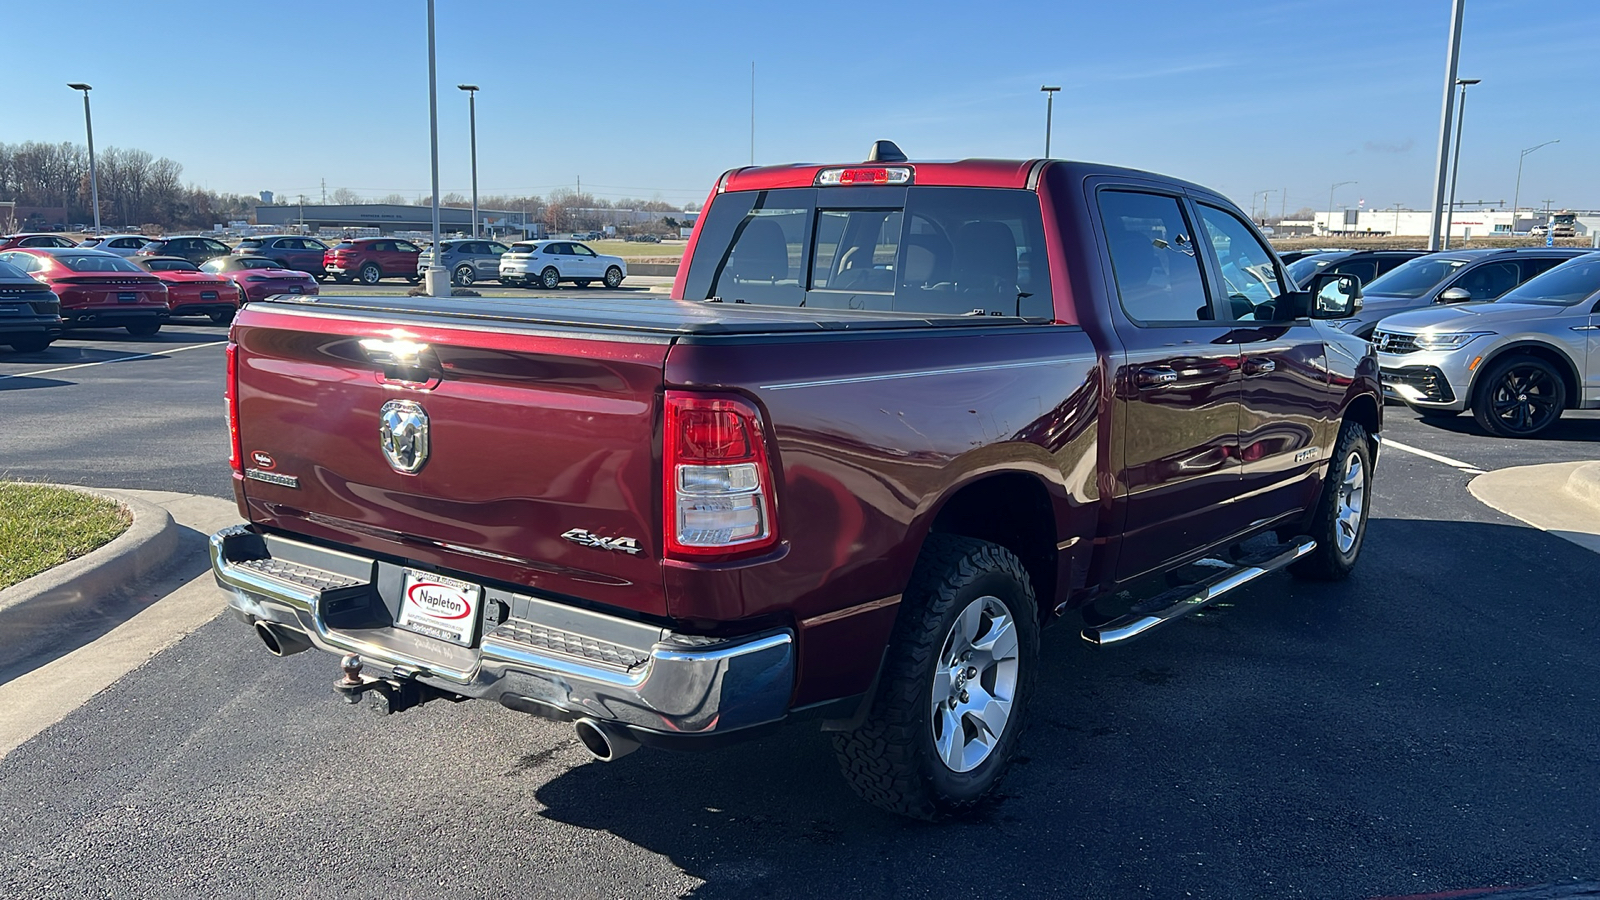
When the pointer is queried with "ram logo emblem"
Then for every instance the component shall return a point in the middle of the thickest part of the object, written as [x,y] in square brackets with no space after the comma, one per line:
[403,435]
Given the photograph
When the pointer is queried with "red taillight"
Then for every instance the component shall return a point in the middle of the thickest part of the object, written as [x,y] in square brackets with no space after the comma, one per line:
[230,395]
[717,481]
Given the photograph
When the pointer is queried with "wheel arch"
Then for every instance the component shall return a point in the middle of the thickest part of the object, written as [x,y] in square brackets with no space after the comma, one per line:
[1014,510]
[1564,366]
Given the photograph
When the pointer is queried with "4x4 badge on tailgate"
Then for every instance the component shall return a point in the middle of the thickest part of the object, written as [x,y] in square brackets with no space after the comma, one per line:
[586,538]
[403,434]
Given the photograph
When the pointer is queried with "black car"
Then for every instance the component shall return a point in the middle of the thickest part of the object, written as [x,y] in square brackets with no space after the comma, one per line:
[30,313]
[1289,256]
[194,248]
[1364,264]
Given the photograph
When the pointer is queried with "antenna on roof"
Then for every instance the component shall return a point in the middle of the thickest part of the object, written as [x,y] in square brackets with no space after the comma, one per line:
[885,151]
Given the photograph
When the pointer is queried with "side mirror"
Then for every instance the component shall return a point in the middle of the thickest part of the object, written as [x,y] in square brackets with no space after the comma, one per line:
[1331,296]
[1454,295]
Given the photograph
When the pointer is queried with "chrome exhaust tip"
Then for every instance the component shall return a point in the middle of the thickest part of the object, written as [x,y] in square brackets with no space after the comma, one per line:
[603,743]
[281,641]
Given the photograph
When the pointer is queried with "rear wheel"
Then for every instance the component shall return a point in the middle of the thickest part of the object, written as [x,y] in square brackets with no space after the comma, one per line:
[144,329]
[550,278]
[1339,523]
[32,343]
[371,274]
[1519,397]
[465,276]
[613,277]
[949,709]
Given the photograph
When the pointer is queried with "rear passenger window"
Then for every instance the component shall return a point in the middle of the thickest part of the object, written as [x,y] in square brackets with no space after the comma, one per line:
[1153,258]
[1538,266]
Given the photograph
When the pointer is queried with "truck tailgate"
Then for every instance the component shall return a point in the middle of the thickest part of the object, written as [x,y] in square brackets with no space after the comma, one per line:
[536,442]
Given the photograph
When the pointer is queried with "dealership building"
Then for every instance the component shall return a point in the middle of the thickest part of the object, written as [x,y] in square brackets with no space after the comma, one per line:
[390,218]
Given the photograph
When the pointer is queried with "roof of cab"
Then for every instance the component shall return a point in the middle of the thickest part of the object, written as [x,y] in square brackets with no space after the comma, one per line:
[991,173]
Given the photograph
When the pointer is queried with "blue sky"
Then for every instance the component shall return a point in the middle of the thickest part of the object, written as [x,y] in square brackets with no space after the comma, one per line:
[648,100]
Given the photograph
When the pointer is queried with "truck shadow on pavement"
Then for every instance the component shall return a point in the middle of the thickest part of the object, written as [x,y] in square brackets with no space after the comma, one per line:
[1391,734]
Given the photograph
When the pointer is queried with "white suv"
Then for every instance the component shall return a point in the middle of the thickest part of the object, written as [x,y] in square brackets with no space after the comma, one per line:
[1517,362]
[548,263]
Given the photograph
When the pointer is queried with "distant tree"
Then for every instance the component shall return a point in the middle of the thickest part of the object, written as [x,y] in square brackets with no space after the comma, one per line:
[346,197]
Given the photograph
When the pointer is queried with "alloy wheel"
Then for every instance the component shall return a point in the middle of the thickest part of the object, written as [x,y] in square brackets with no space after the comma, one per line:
[1352,500]
[1525,400]
[974,684]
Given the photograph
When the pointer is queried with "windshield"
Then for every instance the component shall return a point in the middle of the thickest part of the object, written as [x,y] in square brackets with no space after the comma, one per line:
[1564,285]
[97,263]
[1303,268]
[1415,278]
[257,264]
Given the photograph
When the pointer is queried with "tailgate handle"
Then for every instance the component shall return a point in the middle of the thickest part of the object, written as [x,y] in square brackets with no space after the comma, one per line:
[399,353]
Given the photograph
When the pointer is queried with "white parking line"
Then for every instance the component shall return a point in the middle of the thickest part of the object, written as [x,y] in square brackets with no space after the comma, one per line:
[1469,468]
[112,360]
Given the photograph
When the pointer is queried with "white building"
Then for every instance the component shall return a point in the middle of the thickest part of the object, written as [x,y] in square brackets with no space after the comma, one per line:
[1464,223]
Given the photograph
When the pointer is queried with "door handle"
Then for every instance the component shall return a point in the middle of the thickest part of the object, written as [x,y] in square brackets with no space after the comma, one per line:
[1259,366]
[1155,377]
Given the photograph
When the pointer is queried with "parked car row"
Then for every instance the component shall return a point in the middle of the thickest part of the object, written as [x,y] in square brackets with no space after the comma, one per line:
[545,263]
[46,290]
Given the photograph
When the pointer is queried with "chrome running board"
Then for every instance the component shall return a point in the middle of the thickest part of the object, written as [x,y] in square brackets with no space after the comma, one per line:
[1185,599]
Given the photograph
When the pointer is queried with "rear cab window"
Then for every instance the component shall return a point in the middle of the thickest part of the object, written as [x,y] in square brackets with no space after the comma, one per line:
[926,250]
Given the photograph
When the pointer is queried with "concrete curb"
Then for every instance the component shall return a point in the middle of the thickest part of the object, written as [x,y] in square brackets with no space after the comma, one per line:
[32,612]
[1561,498]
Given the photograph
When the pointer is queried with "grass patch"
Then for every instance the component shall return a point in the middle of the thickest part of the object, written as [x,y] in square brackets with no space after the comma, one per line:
[41,527]
[637,249]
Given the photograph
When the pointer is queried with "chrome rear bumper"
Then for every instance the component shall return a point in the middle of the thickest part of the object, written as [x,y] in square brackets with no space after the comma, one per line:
[541,657]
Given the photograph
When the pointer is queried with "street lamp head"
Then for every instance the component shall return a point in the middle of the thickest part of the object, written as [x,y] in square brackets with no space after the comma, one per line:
[1466,81]
[468,87]
[1048,89]
[79,86]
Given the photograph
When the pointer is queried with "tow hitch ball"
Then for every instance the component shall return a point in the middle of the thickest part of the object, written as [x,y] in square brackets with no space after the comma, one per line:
[387,695]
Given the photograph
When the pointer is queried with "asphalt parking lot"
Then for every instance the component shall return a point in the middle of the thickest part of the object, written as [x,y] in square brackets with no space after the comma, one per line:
[1429,725]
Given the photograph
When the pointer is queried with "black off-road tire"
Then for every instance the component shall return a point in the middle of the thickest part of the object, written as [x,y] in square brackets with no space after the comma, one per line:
[1329,562]
[890,760]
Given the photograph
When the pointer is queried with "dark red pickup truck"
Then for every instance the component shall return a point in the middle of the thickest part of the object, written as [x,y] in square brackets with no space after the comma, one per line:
[896,417]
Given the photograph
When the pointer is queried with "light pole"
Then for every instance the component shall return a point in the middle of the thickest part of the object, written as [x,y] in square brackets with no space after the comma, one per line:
[434,279]
[1455,164]
[1049,109]
[472,119]
[1397,219]
[88,126]
[1458,9]
[1518,193]
[1335,187]
[1263,195]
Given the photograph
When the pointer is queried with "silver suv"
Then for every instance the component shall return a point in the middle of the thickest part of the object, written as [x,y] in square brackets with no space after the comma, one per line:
[1453,276]
[1517,362]
[467,261]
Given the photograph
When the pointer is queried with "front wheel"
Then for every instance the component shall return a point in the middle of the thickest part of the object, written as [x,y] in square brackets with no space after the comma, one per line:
[550,278]
[144,329]
[1339,523]
[221,317]
[371,274]
[613,277]
[949,709]
[1519,397]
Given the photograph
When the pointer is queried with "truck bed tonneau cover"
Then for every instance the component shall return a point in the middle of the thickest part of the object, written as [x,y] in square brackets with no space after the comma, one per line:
[655,314]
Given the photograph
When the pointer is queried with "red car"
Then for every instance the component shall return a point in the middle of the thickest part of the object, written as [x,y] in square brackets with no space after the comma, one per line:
[372,259]
[259,278]
[191,292]
[97,289]
[39,239]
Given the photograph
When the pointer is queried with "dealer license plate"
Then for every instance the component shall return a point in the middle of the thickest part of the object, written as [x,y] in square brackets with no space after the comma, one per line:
[439,607]
[128,298]
[208,295]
